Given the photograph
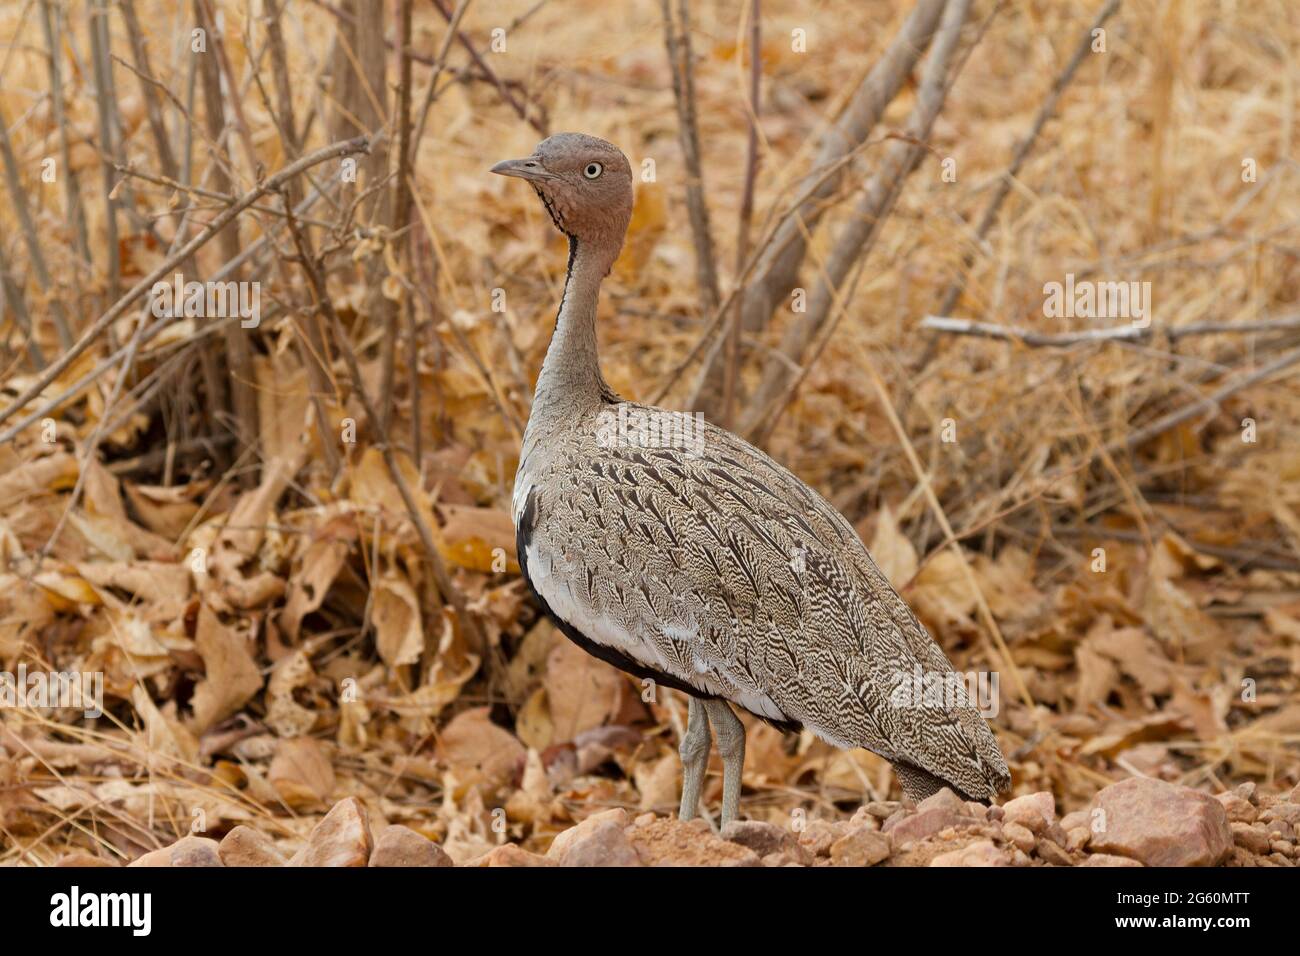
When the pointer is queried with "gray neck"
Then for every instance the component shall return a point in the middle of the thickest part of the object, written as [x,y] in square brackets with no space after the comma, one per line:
[570,381]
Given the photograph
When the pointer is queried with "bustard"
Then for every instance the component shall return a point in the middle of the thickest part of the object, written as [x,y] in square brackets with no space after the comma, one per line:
[712,569]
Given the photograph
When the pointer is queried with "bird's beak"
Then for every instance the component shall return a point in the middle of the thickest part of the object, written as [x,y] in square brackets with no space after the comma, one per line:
[530,169]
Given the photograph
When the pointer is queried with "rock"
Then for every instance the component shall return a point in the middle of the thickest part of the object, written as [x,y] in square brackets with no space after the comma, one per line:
[1035,812]
[943,798]
[882,809]
[1077,839]
[994,813]
[979,853]
[1051,852]
[862,847]
[668,841]
[818,836]
[928,822]
[161,857]
[799,857]
[1162,824]
[1278,829]
[244,846]
[977,810]
[1107,859]
[1248,791]
[83,860]
[598,840]
[1075,819]
[187,851]
[510,854]
[401,846]
[1254,840]
[1019,836]
[864,818]
[341,838]
[766,839]
[1281,812]
[1294,796]
[1238,808]
[1285,847]
[893,818]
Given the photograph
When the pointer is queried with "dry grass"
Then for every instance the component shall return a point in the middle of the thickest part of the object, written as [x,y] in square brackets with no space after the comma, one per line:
[320,653]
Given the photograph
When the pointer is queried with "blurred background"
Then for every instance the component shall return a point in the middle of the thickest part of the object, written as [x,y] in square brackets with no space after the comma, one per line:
[277,522]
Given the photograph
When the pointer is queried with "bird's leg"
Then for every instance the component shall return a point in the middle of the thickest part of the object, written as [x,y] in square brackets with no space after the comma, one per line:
[731,748]
[694,752]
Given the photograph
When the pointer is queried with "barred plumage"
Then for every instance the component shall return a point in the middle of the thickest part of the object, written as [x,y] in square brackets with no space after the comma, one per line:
[707,565]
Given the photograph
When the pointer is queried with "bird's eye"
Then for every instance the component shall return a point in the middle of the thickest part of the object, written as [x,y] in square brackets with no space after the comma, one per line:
[593,170]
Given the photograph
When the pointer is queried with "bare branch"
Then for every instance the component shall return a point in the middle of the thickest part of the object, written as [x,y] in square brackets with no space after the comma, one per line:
[357,144]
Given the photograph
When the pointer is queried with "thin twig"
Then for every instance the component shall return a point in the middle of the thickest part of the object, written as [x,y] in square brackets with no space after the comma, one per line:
[682,67]
[1124,333]
[357,144]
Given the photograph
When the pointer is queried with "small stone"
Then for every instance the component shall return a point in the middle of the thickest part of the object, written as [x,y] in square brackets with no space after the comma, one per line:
[1280,830]
[1020,858]
[1108,859]
[818,835]
[1252,838]
[1238,808]
[1240,856]
[976,810]
[1284,847]
[397,845]
[1294,796]
[1162,824]
[1077,839]
[943,798]
[1278,812]
[244,846]
[1075,818]
[892,820]
[1019,836]
[995,813]
[598,840]
[187,851]
[979,853]
[798,857]
[766,839]
[863,818]
[925,823]
[862,847]
[670,842]
[1279,859]
[82,860]
[1248,791]
[882,809]
[1049,851]
[341,838]
[1036,812]
[511,854]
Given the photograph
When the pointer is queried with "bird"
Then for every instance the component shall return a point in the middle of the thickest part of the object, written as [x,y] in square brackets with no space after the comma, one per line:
[702,564]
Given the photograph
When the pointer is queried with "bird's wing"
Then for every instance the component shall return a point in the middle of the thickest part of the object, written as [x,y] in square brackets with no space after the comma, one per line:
[714,566]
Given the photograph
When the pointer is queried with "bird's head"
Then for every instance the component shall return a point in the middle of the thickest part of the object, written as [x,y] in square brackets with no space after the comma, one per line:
[585,184]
